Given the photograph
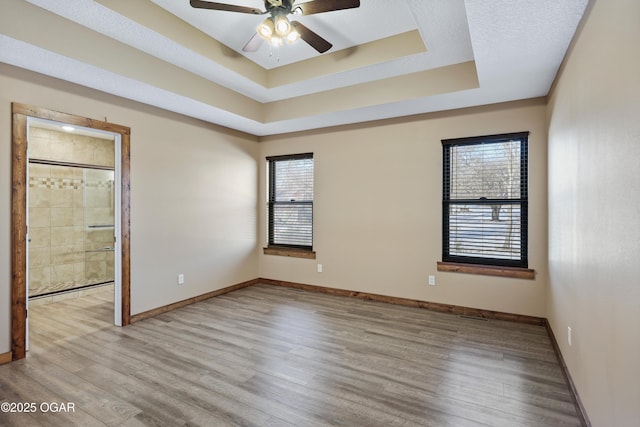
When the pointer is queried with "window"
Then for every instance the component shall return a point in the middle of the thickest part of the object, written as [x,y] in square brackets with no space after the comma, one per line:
[484,200]
[291,201]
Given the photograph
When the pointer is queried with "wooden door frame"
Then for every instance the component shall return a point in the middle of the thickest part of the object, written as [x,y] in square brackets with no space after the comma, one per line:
[20,114]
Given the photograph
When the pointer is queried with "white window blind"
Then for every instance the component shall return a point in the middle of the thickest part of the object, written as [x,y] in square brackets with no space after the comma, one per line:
[291,201]
[485,200]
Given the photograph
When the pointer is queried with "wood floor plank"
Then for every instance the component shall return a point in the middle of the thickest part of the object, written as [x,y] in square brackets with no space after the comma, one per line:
[27,390]
[274,356]
[103,406]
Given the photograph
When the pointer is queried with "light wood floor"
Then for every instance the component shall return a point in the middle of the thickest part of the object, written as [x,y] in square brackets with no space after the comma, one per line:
[270,356]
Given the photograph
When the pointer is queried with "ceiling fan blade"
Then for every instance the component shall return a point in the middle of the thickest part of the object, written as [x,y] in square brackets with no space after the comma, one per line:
[313,39]
[319,6]
[200,4]
[253,44]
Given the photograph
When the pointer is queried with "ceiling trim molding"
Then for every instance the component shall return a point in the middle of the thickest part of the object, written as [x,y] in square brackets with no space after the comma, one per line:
[449,79]
[155,18]
[38,27]
[375,52]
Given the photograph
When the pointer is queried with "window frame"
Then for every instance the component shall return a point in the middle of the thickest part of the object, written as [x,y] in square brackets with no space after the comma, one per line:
[283,248]
[523,201]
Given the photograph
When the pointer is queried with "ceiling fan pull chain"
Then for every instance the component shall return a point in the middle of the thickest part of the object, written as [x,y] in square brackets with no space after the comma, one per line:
[277,49]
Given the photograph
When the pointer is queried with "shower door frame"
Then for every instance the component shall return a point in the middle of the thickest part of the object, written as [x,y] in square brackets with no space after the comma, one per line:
[22,114]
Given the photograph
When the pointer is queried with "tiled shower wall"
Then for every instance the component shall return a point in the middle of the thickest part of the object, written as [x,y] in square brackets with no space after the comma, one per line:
[71,212]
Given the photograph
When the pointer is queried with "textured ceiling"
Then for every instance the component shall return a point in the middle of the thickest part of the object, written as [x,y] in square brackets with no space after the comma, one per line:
[390,57]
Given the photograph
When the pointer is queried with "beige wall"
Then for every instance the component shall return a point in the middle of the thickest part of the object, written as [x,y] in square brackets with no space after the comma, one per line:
[594,212]
[193,193]
[377,210]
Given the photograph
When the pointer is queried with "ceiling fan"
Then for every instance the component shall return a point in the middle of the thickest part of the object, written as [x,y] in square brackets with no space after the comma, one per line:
[277,28]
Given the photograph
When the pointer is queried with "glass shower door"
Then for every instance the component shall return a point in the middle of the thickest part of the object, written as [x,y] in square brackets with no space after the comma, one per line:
[99,225]
[71,227]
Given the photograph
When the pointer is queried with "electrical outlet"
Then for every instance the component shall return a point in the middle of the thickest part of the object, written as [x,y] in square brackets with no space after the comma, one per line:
[319,268]
[180,279]
[569,337]
[432,280]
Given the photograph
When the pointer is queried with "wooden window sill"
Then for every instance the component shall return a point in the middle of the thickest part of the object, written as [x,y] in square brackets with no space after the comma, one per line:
[290,252]
[487,270]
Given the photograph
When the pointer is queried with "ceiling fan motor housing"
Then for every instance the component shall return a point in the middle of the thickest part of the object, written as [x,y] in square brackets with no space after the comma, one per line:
[278,7]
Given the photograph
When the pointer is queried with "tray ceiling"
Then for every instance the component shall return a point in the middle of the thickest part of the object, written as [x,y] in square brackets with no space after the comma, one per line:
[390,57]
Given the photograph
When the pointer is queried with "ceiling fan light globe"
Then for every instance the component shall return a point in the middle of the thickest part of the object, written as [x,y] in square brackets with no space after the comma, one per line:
[266,29]
[282,26]
[293,36]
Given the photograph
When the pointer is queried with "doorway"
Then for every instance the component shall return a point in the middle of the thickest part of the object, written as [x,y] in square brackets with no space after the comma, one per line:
[99,252]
